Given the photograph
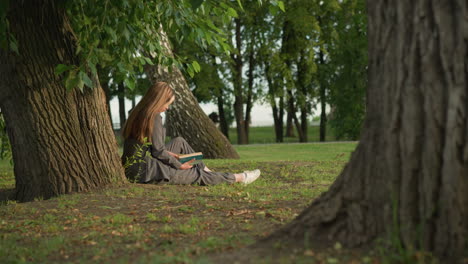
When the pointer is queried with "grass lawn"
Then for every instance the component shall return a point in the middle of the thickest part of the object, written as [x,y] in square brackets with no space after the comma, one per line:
[176,224]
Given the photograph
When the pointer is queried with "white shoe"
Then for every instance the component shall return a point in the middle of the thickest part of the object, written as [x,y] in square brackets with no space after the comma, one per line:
[251,176]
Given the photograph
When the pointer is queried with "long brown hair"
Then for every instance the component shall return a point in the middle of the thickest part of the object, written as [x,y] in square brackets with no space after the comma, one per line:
[141,120]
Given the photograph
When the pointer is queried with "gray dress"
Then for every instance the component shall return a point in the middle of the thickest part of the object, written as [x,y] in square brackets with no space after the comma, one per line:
[153,163]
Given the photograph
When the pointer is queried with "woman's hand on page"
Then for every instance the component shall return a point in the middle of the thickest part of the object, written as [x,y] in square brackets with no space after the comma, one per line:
[187,165]
[174,155]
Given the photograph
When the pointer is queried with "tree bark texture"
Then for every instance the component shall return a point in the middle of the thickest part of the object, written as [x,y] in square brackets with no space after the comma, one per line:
[408,176]
[62,141]
[185,117]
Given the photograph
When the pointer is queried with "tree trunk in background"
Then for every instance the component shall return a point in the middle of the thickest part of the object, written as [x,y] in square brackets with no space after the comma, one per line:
[304,125]
[290,117]
[323,114]
[238,93]
[249,103]
[278,123]
[323,103]
[286,47]
[222,117]
[298,127]
[62,142]
[303,95]
[278,112]
[122,110]
[408,176]
[185,117]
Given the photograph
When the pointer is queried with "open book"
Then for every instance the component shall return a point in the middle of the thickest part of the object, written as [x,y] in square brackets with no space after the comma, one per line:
[198,156]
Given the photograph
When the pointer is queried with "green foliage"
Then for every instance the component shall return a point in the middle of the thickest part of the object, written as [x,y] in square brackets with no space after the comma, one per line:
[349,77]
[124,36]
[138,157]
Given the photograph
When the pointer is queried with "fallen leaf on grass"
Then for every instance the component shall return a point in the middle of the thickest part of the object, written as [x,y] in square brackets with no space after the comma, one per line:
[116,233]
[240,212]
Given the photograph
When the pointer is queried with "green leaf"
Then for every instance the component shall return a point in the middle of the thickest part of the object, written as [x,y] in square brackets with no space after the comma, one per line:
[196,66]
[92,67]
[233,13]
[190,70]
[14,46]
[196,3]
[111,33]
[72,81]
[149,61]
[281,6]
[240,5]
[273,10]
[59,69]
[85,78]
[130,83]
[80,84]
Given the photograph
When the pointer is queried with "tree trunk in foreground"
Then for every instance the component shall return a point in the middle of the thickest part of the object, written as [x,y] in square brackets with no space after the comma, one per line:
[62,141]
[185,116]
[408,175]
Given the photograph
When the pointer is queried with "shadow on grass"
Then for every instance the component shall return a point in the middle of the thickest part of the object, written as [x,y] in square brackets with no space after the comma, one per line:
[6,194]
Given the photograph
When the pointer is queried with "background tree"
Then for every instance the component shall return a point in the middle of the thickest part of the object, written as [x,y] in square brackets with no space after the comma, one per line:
[187,119]
[348,55]
[211,84]
[407,178]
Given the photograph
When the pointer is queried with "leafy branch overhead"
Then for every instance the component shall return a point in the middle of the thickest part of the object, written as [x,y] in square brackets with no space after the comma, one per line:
[121,35]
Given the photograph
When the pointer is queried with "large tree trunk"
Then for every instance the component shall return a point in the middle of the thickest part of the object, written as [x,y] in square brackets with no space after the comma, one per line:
[185,117]
[62,141]
[408,175]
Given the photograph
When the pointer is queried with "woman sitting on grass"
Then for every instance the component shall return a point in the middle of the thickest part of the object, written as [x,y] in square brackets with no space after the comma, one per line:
[159,162]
